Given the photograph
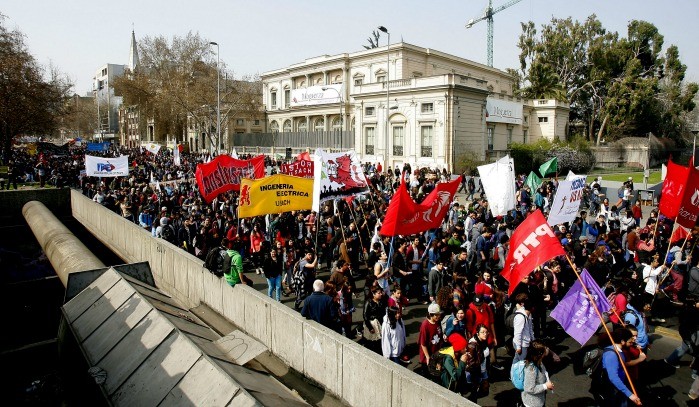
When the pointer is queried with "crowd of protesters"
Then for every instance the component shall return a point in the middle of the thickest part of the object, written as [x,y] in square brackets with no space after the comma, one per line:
[452,270]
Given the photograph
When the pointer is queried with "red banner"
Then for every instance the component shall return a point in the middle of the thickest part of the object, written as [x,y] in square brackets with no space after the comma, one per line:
[405,217]
[224,173]
[304,156]
[300,168]
[532,244]
[689,208]
[673,189]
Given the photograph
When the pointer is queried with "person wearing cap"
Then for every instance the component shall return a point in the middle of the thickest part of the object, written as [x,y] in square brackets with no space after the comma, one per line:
[429,339]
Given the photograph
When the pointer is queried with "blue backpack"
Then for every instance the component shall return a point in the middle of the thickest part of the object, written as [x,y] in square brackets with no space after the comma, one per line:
[517,375]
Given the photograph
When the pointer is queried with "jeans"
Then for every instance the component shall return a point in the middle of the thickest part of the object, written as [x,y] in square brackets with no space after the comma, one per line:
[273,284]
[520,356]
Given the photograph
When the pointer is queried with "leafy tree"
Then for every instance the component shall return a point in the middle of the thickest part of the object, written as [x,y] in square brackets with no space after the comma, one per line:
[176,81]
[615,86]
[373,40]
[32,100]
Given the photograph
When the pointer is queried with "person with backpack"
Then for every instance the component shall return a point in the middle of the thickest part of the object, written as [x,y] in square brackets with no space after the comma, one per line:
[429,339]
[233,267]
[304,275]
[523,327]
[610,385]
[451,363]
[536,378]
[216,257]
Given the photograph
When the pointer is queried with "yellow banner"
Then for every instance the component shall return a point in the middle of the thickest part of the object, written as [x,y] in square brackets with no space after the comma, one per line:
[274,194]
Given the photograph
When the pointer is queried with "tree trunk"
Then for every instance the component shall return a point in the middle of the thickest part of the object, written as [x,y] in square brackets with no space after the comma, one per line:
[601,129]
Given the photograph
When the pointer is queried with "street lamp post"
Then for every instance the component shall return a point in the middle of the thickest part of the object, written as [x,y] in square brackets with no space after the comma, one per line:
[339,95]
[218,97]
[388,66]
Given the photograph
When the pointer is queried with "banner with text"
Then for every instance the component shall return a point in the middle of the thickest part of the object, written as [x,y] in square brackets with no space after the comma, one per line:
[503,111]
[566,203]
[300,168]
[274,194]
[106,167]
[224,173]
[316,95]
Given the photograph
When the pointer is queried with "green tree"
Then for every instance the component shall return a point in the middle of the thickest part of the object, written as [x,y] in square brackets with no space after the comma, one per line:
[176,81]
[32,99]
[373,40]
[615,86]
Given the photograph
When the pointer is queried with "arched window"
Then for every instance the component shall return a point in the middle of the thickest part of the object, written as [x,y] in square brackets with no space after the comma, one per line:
[287,126]
[337,123]
[274,126]
[303,126]
[319,124]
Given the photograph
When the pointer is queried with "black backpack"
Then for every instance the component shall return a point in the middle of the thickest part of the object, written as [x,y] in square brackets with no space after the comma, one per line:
[592,363]
[436,364]
[168,233]
[510,321]
[214,261]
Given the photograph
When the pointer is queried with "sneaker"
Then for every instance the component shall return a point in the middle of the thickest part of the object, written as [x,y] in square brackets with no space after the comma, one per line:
[658,320]
[497,367]
[675,366]
[405,359]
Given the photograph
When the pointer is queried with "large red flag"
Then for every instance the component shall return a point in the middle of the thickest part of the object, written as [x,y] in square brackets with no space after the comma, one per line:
[532,244]
[303,156]
[224,173]
[673,189]
[679,234]
[689,207]
[405,217]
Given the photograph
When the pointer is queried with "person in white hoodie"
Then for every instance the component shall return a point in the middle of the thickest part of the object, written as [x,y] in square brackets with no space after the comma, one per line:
[650,276]
[392,335]
[524,329]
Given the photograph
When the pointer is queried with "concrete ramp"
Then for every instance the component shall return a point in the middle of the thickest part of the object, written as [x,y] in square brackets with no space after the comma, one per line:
[147,350]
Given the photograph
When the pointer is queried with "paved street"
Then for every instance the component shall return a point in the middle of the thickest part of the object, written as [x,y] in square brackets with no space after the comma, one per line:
[668,387]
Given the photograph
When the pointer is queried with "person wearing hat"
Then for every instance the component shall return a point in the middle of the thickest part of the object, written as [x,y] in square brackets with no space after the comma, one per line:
[455,361]
[429,339]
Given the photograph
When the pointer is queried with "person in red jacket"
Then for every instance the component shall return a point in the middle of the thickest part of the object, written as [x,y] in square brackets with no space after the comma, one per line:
[480,313]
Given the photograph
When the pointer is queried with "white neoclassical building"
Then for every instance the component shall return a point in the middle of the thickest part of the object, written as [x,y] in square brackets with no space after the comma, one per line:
[407,104]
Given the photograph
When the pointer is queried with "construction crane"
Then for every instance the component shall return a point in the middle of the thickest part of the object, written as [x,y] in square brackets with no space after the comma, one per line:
[488,15]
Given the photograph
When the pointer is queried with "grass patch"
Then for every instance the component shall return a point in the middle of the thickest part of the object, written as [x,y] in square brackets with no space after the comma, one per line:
[623,176]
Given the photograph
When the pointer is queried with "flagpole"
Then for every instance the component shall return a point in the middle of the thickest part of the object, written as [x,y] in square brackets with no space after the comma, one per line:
[693,246]
[668,253]
[599,314]
[359,235]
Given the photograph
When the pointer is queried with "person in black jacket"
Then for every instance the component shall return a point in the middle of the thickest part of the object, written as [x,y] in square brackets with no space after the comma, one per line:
[273,268]
[319,306]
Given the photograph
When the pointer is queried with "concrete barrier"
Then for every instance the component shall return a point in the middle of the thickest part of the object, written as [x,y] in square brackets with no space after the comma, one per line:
[341,366]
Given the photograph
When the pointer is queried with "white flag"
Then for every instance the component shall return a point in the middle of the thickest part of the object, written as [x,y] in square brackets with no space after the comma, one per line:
[152,147]
[176,156]
[566,203]
[571,176]
[499,184]
[234,154]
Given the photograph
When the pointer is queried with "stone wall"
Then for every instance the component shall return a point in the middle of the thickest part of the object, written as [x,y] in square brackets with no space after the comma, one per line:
[341,366]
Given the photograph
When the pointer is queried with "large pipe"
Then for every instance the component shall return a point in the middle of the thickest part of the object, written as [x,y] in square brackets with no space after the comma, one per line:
[66,253]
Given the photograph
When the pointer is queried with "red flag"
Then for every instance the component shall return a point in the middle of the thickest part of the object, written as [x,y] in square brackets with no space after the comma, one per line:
[532,244]
[405,217]
[689,206]
[679,234]
[673,189]
[303,156]
[224,173]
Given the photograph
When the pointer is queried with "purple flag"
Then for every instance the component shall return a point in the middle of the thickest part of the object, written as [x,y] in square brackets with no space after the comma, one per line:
[576,314]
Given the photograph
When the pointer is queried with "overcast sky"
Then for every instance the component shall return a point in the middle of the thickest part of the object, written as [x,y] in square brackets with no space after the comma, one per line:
[78,36]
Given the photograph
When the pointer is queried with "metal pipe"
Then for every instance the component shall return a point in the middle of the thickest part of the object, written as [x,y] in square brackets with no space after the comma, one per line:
[64,250]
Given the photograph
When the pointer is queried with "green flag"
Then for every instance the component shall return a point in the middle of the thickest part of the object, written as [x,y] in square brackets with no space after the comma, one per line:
[533,181]
[550,166]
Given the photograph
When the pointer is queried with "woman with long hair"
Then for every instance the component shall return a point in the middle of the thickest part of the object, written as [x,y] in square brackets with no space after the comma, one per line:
[392,335]
[536,378]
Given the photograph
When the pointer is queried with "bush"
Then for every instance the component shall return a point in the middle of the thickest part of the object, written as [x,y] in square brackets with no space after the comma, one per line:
[574,155]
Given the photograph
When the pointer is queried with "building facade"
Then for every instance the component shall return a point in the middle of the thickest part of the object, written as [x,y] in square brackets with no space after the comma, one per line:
[408,104]
[108,104]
